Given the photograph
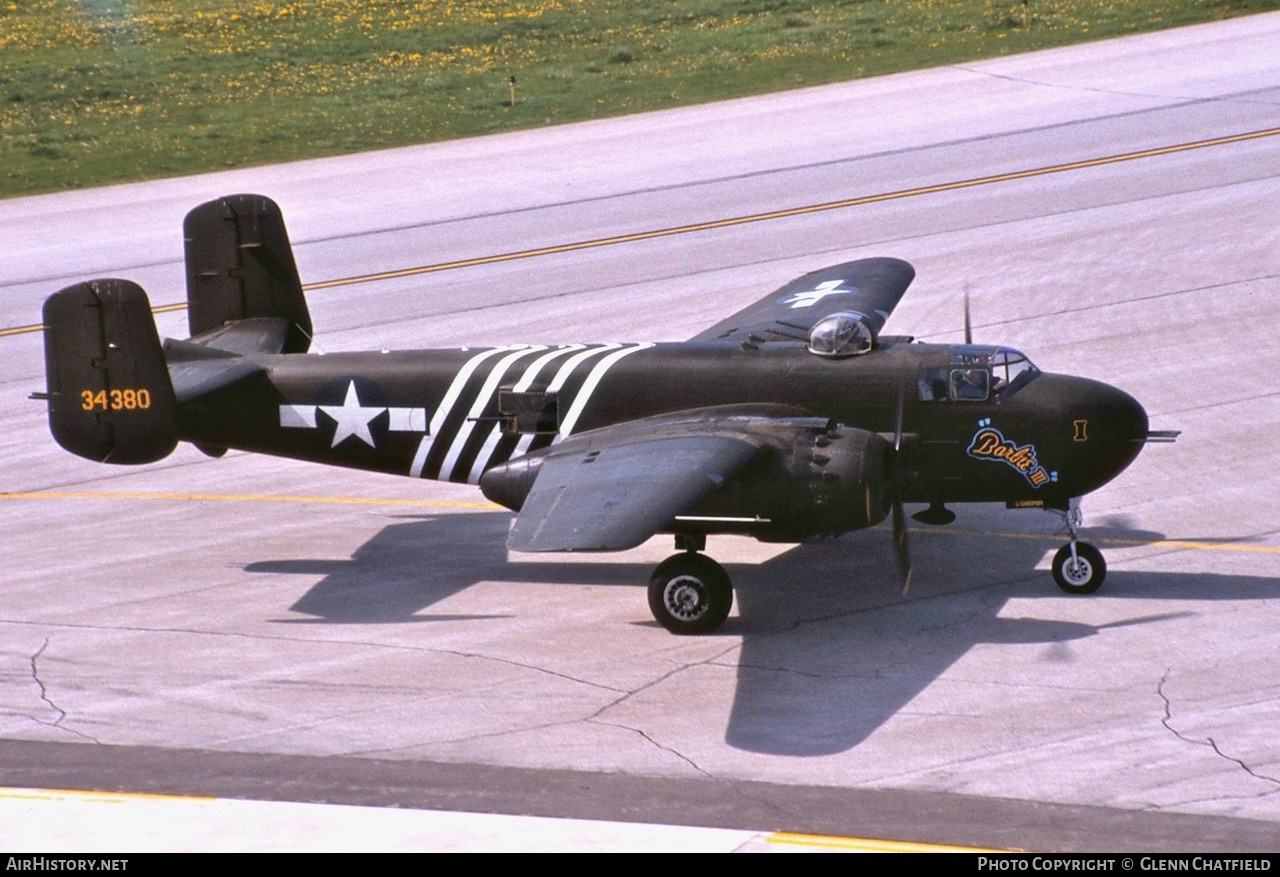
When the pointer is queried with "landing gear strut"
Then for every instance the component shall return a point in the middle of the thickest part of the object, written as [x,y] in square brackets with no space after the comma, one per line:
[690,593]
[1078,567]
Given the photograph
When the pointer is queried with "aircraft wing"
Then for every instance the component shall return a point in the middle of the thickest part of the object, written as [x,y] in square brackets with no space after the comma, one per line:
[868,287]
[615,495]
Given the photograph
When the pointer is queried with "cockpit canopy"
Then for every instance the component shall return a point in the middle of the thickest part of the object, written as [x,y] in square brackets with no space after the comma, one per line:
[1010,369]
[976,374]
[844,333]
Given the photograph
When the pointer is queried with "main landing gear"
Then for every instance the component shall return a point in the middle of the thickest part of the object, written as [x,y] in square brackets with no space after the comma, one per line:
[689,593]
[1078,567]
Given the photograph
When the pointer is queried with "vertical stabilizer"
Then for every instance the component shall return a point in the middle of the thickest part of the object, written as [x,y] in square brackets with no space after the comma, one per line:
[109,394]
[240,267]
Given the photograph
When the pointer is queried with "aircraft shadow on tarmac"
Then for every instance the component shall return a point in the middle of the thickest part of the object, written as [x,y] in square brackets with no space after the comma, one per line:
[830,650]
[413,564]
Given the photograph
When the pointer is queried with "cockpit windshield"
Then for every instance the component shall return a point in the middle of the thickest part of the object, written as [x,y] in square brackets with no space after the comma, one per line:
[1010,371]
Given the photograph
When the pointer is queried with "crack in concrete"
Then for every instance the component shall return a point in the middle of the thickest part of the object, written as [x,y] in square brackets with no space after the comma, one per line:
[891,605]
[597,716]
[295,640]
[594,717]
[391,751]
[44,692]
[713,661]
[523,665]
[1181,806]
[1167,721]
[677,753]
[44,696]
[466,738]
[726,782]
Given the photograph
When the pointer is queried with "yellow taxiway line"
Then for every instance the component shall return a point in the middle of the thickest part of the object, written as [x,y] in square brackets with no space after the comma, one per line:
[1106,540]
[488,506]
[756,217]
[254,497]
[93,796]
[867,845]
[803,211]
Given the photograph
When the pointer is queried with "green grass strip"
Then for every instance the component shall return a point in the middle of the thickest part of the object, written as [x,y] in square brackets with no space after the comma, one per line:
[103,91]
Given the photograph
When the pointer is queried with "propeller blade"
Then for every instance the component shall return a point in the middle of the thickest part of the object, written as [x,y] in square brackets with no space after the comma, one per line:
[900,544]
[897,426]
[895,477]
[968,322]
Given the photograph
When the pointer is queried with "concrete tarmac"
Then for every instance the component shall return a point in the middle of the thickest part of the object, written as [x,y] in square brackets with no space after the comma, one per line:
[258,628]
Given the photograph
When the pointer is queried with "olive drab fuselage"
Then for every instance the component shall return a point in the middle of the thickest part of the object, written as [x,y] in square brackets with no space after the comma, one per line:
[452,414]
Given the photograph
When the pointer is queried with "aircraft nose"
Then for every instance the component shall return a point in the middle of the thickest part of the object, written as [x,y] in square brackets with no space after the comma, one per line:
[1090,430]
[1108,430]
[1119,416]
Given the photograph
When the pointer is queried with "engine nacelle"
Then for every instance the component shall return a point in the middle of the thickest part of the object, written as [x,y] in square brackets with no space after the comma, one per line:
[810,478]
[835,481]
[509,483]
[819,481]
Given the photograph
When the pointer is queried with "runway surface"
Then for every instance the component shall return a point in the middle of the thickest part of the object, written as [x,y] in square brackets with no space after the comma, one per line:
[263,629]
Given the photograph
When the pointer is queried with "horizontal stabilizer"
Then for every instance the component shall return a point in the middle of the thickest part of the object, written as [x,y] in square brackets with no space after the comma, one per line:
[255,335]
[196,370]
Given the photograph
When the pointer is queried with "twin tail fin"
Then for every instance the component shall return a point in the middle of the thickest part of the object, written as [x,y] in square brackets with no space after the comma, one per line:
[114,390]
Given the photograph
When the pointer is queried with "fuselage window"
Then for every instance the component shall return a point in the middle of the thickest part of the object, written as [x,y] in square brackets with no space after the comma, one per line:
[970,384]
[933,385]
[955,384]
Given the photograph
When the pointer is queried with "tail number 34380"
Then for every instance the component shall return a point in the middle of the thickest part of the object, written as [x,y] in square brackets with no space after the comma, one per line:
[115,400]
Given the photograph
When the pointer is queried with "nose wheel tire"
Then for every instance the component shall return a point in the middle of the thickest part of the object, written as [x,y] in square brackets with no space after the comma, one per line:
[690,594]
[1082,574]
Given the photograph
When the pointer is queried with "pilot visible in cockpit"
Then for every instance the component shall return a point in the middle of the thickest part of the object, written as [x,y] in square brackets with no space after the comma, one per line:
[970,385]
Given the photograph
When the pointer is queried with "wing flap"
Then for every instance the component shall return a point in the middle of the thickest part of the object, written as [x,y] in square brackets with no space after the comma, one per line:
[616,496]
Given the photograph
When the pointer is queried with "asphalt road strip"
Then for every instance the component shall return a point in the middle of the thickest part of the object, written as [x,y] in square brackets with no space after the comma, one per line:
[53,821]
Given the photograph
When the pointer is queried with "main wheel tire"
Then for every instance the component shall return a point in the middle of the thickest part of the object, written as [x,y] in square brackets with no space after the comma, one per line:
[690,594]
[1084,575]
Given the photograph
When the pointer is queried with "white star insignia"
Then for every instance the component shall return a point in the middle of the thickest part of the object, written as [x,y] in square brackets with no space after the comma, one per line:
[815,295]
[353,419]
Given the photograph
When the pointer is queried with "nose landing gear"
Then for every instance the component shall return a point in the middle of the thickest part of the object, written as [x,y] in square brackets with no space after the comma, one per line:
[1078,567]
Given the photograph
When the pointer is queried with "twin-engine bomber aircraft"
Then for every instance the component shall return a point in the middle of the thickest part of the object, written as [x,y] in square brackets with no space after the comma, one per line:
[794,418]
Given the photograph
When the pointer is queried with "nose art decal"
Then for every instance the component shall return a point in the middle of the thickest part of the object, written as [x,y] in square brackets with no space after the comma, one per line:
[990,444]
